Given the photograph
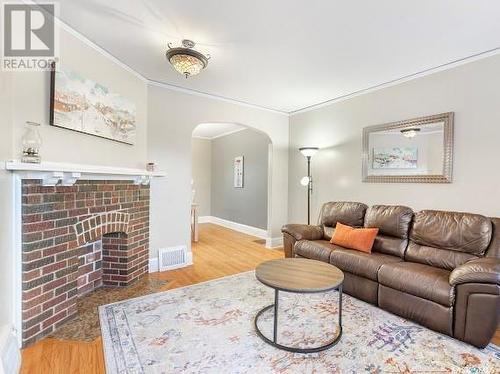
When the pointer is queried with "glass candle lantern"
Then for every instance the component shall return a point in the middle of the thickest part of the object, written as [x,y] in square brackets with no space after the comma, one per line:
[32,142]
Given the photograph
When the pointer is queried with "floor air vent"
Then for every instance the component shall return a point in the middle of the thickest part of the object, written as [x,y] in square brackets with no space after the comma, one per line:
[172,258]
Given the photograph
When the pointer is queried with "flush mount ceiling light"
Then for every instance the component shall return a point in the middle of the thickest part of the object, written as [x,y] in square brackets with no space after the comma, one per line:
[410,133]
[185,59]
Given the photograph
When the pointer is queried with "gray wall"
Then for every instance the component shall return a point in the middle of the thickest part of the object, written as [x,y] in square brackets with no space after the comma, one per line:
[201,154]
[247,205]
[472,91]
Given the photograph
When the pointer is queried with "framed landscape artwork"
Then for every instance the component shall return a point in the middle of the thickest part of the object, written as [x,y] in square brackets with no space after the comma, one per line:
[80,104]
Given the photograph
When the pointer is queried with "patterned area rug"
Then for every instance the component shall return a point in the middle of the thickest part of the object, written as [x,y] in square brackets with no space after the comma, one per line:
[208,328]
[85,325]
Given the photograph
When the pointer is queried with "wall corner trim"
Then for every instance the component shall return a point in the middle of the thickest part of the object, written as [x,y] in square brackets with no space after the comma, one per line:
[153,265]
[9,350]
[274,242]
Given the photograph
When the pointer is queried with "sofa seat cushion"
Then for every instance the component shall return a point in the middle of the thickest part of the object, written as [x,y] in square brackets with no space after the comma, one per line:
[314,249]
[359,263]
[419,280]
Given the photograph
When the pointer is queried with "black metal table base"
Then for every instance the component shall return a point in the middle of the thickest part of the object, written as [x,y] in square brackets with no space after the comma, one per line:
[275,343]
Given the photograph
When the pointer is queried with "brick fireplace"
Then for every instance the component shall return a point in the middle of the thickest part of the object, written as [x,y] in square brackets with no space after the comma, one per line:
[74,239]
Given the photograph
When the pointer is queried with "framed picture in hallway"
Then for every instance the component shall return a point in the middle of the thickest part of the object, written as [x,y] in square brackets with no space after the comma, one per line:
[238,172]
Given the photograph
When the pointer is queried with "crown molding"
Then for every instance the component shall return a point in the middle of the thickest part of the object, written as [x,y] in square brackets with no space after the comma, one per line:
[101,50]
[191,91]
[89,43]
[220,135]
[229,133]
[406,78]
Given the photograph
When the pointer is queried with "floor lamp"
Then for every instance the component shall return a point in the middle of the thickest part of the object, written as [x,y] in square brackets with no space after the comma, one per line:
[308,152]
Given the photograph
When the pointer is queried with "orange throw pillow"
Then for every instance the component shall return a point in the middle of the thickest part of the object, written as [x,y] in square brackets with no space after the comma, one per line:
[350,237]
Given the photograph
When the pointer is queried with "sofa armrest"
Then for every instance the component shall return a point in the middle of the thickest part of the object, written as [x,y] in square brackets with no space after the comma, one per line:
[303,232]
[481,270]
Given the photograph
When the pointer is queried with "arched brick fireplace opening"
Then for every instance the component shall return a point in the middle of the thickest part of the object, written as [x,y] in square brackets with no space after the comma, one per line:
[75,239]
[121,246]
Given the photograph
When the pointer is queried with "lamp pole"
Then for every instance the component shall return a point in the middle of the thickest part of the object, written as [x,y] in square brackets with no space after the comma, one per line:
[309,190]
[308,152]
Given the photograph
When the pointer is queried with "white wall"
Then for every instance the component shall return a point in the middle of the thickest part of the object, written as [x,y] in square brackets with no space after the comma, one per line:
[172,116]
[165,138]
[201,156]
[25,97]
[472,91]
[6,193]
[30,100]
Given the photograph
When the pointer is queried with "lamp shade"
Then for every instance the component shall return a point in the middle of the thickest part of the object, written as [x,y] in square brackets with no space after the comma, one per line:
[308,151]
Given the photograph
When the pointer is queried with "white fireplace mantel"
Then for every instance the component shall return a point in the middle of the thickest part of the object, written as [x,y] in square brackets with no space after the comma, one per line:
[53,173]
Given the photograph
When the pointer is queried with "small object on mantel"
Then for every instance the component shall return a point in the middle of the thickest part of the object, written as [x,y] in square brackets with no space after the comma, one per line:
[151,166]
[32,142]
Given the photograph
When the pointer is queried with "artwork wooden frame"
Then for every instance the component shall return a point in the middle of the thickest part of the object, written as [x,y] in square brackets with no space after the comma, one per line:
[88,107]
[447,165]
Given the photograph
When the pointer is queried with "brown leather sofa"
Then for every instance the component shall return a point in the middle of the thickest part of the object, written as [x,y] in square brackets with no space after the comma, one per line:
[440,269]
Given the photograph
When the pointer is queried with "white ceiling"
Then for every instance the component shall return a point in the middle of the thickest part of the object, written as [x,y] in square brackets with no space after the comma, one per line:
[289,54]
[215,130]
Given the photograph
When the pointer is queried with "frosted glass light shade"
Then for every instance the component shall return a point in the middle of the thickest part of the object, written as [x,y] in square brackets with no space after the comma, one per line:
[186,60]
[187,65]
[304,181]
[308,151]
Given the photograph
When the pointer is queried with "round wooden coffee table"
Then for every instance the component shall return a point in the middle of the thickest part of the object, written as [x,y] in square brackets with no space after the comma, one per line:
[298,275]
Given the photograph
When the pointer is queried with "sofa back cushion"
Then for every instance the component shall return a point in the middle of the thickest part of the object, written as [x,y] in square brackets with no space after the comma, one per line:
[348,213]
[393,222]
[448,239]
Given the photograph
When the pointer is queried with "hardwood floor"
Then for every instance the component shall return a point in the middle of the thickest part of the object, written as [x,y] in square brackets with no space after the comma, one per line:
[220,252]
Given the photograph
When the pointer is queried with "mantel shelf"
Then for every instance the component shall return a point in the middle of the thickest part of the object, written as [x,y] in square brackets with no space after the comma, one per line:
[52,173]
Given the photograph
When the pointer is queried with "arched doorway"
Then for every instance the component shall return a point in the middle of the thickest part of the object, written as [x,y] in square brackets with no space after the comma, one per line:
[231,179]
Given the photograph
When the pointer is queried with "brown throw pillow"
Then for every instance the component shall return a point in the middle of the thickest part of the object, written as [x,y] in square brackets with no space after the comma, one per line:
[353,238]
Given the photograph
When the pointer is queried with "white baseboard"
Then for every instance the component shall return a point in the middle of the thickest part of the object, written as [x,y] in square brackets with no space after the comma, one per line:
[189,259]
[274,242]
[10,355]
[254,231]
[153,265]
